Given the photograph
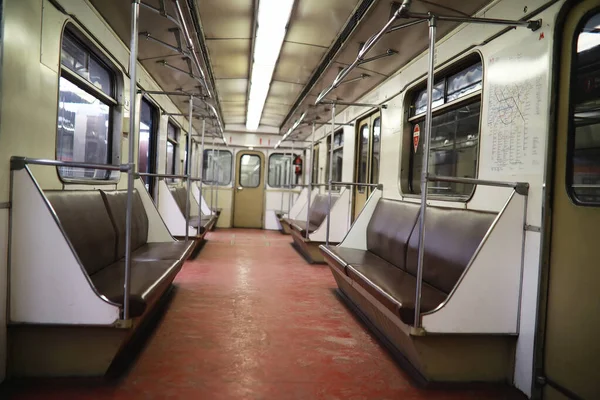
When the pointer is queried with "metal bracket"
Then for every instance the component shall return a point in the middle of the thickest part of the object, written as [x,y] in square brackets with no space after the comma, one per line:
[123,323]
[358,78]
[532,228]
[17,163]
[522,188]
[388,53]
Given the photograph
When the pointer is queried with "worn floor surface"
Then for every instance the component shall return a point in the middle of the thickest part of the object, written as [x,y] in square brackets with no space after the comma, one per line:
[251,320]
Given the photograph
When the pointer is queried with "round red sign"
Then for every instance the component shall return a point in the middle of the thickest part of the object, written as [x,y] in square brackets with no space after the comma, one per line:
[416,135]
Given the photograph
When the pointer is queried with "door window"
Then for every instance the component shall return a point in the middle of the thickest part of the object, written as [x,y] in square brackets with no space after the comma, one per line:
[250,170]
[363,153]
[583,176]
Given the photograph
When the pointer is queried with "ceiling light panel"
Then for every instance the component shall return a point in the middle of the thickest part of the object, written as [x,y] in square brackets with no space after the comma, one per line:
[273,17]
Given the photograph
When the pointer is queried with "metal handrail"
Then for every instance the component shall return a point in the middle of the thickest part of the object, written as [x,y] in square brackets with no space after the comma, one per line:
[485,182]
[173,176]
[375,185]
[73,164]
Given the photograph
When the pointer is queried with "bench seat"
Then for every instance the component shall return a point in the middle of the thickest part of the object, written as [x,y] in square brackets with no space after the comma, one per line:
[300,226]
[147,278]
[383,278]
[202,223]
[341,257]
[393,287]
[94,222]
[173,251]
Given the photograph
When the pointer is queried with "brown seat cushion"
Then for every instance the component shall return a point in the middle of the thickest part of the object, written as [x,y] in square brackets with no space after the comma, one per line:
[172,251]
[345,256]
[87,224]
[146,278]
[116,204]
[390,228]
[319,208]
[300,226]
[451,238]
[380,276]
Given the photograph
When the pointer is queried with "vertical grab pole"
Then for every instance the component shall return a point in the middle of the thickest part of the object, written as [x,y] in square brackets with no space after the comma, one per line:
[312,153]
[330,174]
[425,170]
[201,168]
[135,13]
[189,172]
[212,186]
[290,191]
[217,190]
[282,184]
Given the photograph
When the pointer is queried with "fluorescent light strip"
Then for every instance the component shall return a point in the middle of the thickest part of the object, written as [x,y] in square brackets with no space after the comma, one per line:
[273,17]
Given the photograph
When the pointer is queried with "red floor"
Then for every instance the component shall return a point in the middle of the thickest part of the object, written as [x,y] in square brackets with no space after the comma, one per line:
[252,320]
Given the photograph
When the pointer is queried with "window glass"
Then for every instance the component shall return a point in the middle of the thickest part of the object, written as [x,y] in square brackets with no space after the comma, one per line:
[584,151]
[84,117]
[363,154]
[420,105]
[338,152]
[281,171]
[217,167]
[172,131]
[465,82]
[147,138]
[81,61]
[172,136]
[376,150]
[315,165]
[170,159]
[453,152]
[250,171]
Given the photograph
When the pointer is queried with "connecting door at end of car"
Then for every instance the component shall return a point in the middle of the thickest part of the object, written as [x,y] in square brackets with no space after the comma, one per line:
[249,190]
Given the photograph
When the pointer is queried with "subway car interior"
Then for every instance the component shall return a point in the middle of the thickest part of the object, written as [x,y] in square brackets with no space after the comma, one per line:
[299,199]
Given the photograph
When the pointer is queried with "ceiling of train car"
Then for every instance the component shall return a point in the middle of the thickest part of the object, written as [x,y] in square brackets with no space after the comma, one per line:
[314,26]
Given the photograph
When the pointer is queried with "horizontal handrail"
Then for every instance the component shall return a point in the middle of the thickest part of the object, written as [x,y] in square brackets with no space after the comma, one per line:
[375,185]
[17,162]
[151,175]
[521,188]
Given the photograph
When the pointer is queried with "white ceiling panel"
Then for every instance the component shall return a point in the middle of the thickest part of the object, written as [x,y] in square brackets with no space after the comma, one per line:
[231,19]
[229,57]
[319,22]
[297,62]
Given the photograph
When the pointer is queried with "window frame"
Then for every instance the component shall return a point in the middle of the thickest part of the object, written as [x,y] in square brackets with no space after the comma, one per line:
[407,151]
[175,144]
[239,171]
[152,146]
[204,171]
[113,103]
[336,148]
[571,133]
[293,156]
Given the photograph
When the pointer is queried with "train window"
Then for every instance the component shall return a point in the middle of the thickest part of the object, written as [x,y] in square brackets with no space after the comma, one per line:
[172,137]
[87,88]
[363,153]
[280,172]
[147,141]
[455,133]
[217,167]
[338,150]
[584,143]
[376,150]
[250,171]
[315,165]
